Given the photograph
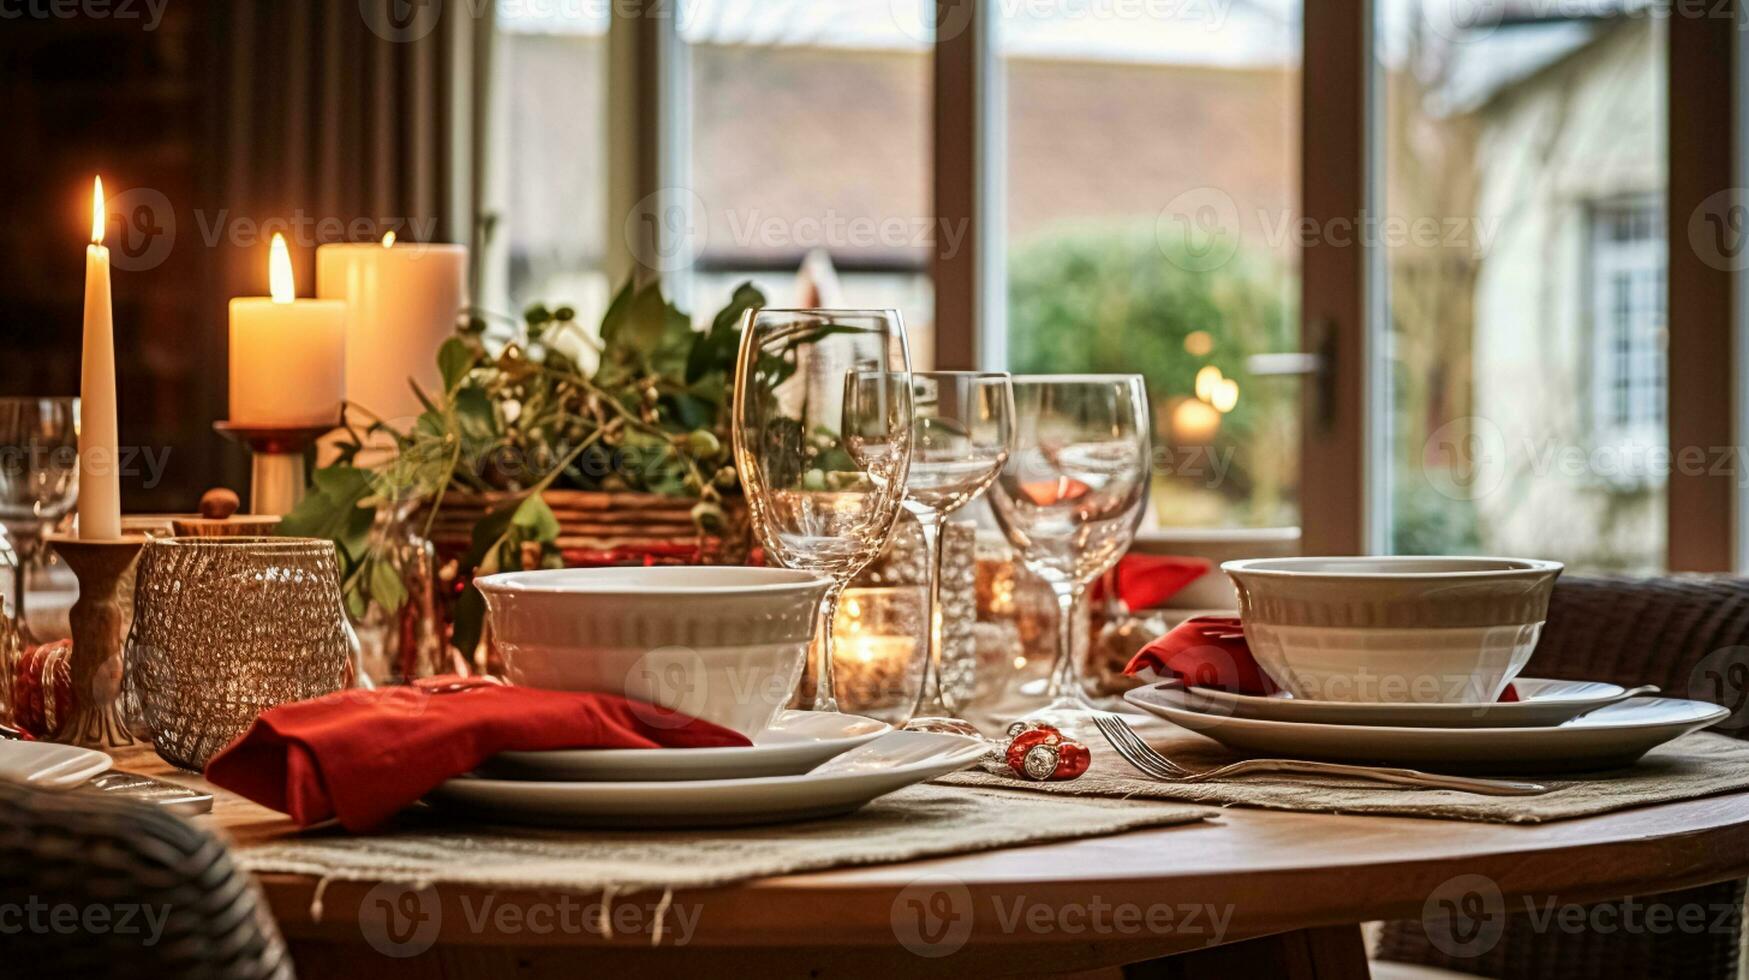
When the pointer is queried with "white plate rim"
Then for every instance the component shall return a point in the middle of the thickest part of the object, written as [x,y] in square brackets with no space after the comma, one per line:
[1442,708]
[711,753]
[1718,713]
[680,787]
[80,765]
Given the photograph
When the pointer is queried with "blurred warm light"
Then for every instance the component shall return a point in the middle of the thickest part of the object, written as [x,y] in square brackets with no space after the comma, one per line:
[97,214]
[1225,395]
[279,272]
[1198,343]
[1207,380]
[389,240]
[1195,421]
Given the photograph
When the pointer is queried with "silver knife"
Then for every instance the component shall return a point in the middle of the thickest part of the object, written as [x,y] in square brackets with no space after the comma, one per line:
[171,796]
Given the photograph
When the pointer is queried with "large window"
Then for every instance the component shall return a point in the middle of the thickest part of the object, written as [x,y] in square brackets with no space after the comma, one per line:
[808,125]
[1152,177]
[1467,198]
[547,203]
[1526,312]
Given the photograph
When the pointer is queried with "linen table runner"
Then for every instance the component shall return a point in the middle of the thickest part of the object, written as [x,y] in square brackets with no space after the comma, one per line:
[1692,766]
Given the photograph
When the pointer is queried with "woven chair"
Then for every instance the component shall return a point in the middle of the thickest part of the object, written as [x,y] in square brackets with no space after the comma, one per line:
[93,887]
[1628,631]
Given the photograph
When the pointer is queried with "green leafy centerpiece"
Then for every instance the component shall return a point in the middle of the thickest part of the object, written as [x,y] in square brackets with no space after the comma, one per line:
[523,438]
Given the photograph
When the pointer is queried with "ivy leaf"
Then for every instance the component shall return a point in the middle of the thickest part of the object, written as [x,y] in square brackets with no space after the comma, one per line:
[475,417]
[454,359]
[331,510]
[386,588]
[646,320]
[728,319]
[614,320]
[536,520]
[694,412]
[716,349]
[490,532]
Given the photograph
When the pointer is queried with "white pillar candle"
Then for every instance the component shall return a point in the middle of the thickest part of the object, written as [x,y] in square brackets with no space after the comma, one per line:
[287,354]
[402,300]
[99,476]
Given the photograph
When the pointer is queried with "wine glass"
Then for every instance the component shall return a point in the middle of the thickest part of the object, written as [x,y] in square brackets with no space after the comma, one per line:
[964,432]
[1071,495]
[822,431]
[39,477]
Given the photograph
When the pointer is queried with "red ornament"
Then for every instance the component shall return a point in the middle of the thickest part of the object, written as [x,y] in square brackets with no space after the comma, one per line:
[1041,752]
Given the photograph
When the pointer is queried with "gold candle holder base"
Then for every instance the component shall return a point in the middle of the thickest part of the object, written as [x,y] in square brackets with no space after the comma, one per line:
[276,472]
[100,629]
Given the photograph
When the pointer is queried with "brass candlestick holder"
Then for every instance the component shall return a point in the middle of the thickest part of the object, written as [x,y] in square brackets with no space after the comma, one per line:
[100,624]
[276,472]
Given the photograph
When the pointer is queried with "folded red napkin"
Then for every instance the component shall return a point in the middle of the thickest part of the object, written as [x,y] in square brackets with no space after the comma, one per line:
[360,756]
[1205,651]
[1146,581]
[1210,651]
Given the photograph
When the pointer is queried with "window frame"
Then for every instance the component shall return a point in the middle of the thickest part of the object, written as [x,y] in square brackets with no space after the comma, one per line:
[1344,312]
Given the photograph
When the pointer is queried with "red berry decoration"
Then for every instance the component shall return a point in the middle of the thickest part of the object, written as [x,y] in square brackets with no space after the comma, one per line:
[43,688]
[1040,752]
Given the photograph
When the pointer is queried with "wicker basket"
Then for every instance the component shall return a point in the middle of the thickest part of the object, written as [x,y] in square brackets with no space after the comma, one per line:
[599,528]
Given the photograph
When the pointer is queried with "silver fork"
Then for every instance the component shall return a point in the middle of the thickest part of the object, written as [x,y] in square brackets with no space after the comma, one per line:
[1144,757]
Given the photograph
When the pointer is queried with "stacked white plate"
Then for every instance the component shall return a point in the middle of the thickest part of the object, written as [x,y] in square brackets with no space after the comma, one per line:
[806,764]
[1555,726]
[48,765]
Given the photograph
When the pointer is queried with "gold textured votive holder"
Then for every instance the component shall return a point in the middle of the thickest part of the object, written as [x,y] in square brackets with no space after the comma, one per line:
[225,628]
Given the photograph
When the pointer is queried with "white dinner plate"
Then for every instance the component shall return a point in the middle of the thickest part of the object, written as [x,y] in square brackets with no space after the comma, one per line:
[840,785]
[1611,737]
[49,765]
[795,743]
[1540,702]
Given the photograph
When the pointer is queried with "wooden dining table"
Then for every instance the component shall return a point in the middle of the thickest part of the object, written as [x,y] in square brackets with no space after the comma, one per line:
[1246,892]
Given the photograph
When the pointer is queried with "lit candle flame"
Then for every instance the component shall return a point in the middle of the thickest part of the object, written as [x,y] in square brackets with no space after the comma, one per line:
[97,215]
[279,272]
[389,240]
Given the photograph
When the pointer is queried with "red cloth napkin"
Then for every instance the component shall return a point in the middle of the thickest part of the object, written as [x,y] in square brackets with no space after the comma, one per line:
[1146,581]
[1205,651]
[361,756]
[1210,651]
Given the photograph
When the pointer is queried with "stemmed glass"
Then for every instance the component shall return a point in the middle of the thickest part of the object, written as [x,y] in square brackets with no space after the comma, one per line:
[39,477]
[1071,495]
[822,429]
[963,435]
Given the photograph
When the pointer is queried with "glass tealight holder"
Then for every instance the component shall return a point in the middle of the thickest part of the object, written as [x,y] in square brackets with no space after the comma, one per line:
[880,643]
[225,628]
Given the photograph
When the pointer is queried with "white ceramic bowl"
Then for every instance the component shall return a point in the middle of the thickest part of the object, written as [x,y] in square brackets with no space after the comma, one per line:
[1397,630]
[726,644]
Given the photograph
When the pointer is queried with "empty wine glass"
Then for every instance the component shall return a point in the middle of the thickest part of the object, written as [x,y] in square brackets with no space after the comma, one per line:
[963,434]
[39,477]
[822,431]
[1071,495]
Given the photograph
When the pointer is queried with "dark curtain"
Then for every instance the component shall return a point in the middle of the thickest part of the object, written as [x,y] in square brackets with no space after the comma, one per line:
[347,120]
[207,124]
